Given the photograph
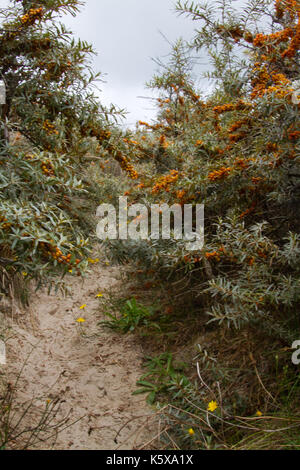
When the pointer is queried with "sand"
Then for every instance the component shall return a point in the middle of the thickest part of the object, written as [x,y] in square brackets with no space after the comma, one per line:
[90,369]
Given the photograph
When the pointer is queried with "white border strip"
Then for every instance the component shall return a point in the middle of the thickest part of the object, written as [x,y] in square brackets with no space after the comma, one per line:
[2,353]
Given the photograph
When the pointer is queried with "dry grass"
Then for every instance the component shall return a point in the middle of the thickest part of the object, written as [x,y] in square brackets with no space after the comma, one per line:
[247,372]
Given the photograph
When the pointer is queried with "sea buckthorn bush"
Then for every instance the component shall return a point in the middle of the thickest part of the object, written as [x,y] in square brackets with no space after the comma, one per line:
[50,123]
[236,150]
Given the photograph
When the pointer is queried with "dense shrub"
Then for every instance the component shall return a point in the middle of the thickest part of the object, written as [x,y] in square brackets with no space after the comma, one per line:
[236,151]
[51,121]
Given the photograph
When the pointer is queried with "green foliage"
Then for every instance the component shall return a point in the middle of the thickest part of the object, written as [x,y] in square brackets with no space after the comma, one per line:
[162,379]
[131,316]
[237,152]
[48,126]
[213,413]
[235,149]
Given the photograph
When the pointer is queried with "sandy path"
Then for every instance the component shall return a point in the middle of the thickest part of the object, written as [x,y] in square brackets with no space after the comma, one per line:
[95,374]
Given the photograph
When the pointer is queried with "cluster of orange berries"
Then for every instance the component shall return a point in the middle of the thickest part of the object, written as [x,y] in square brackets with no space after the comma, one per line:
[166,181]
[162,102]
[278,160]
[215,255]
[236,137]
[256,180]
[57,255]
[219,174]
[5,224]
[163,141]
[124,163]
[49,128]
[195,98]
[224,108]
[270,40]
[101,134]
[294,135]
[248,211]
[260,83]
[175,87]
[154,128]
[29,157]
[33,14]
[237,125]
[180,194]
[134,143]
[251,261]
[261,40]
[240,105]
[130,141]
[217,125]
[294,45]
[234,32]
[280,92]
[47,168]
[242,163]
[281,85]
[220,151]
[272,147]
[285,5]
[126,166]
[189,259]
[280,79]
[262,254]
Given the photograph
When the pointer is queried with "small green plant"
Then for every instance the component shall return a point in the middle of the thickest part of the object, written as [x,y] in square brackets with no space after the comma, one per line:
[163,377]
[130,316]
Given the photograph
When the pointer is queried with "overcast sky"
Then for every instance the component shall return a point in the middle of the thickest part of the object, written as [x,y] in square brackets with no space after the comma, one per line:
[126,34]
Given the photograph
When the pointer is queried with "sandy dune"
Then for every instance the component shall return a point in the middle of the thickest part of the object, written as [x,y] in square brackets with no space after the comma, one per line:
[94,374]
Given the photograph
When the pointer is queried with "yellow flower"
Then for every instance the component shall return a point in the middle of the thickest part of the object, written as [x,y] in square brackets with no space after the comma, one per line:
[82,307]
[70,270]
[99,295]
[258,413]
[191,431]
[80,320]
[212,406]
[24,274]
